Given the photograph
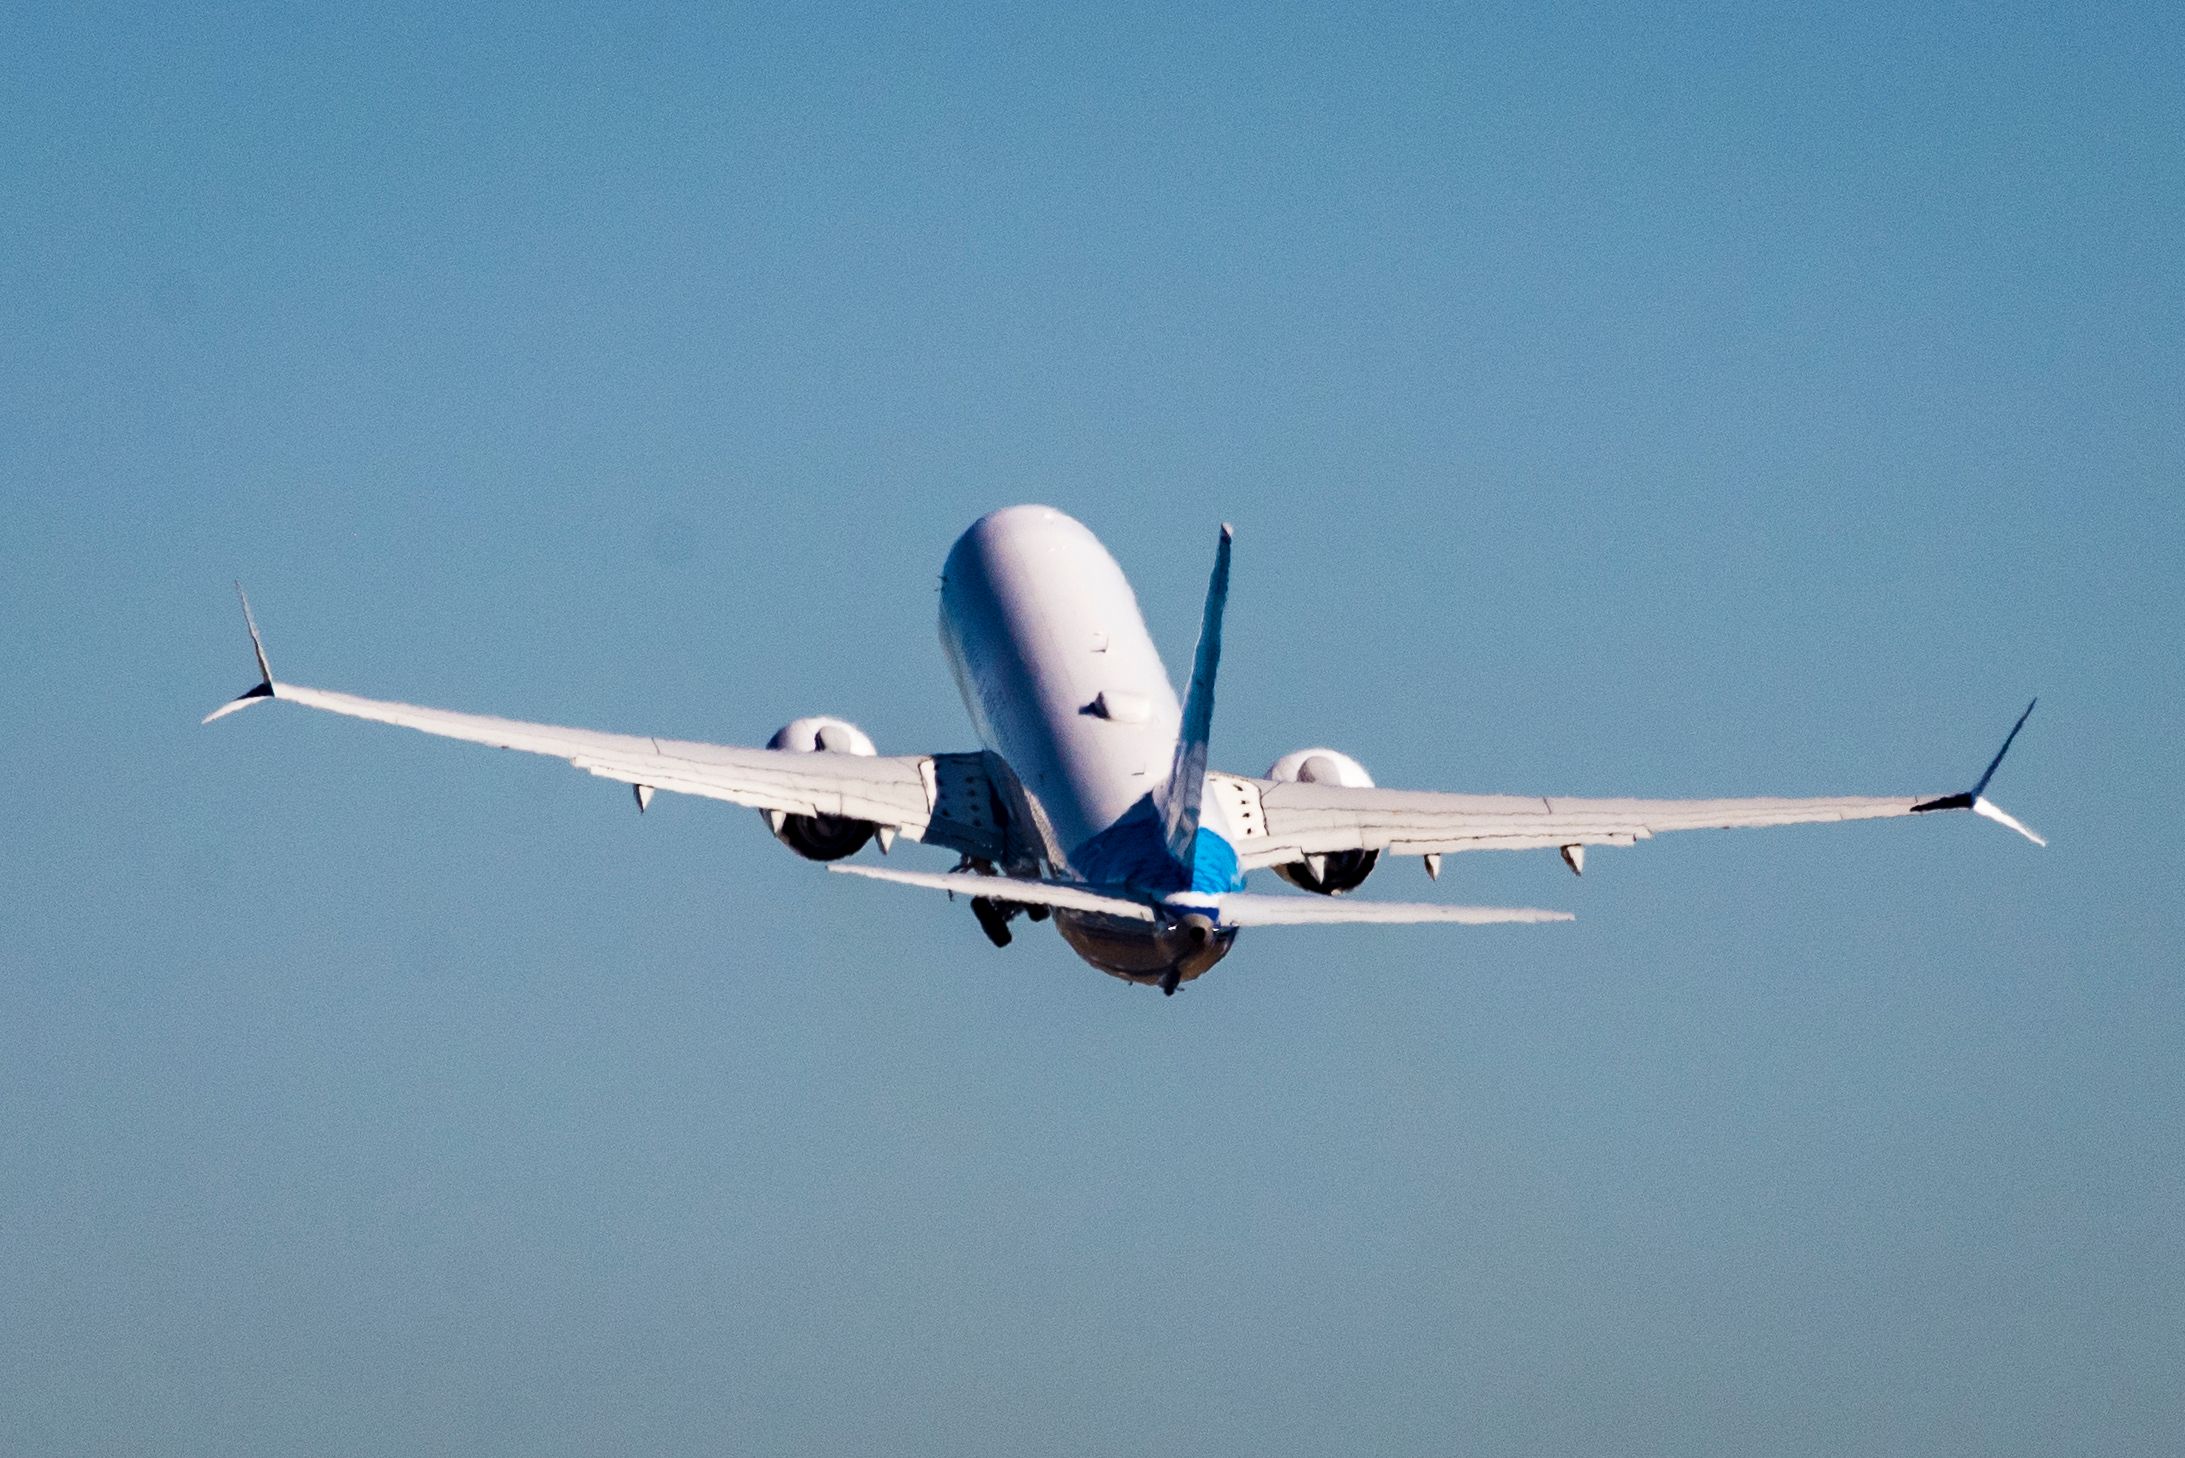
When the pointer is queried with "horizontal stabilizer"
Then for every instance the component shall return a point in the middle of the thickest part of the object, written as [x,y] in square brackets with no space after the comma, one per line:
[1244,908]
[1005,888]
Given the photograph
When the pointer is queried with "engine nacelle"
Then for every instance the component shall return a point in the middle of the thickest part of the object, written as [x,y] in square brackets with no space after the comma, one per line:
[1328,875]
[820,837]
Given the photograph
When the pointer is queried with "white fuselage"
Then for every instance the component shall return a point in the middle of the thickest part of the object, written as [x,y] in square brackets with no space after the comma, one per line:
[1064,685]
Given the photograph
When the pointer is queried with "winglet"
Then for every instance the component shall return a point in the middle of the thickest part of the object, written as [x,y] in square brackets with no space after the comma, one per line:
[1975,799]
[265,688]
[2001,816]
[1983,806]
[1989,773]
[1187,776]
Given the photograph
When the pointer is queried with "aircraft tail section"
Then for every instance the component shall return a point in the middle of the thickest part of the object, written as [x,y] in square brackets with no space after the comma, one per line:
[1180,797]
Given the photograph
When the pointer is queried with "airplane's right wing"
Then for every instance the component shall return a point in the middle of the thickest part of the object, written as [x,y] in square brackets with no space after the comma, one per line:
[1282,823]
[1302,820]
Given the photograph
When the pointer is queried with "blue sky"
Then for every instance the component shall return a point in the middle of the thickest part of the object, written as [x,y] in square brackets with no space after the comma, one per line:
[1607,402]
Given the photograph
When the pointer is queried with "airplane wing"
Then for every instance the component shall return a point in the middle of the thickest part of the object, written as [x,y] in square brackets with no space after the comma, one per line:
[1287,822]
[943,799]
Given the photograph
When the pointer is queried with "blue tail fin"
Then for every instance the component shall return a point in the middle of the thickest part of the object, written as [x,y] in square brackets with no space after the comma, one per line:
[1187,777]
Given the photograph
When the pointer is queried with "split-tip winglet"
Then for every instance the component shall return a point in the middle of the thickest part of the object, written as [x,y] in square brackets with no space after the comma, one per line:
[2001,816]
[1977,802]
[265,688]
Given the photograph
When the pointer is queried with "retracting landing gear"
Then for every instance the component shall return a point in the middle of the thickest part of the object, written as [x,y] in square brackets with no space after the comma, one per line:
[993,919]
[995,916]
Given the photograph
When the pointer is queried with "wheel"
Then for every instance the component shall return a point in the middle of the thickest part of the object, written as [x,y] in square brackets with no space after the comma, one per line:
[993,920]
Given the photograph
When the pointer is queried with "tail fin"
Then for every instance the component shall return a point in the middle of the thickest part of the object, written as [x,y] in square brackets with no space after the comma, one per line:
[1187,777]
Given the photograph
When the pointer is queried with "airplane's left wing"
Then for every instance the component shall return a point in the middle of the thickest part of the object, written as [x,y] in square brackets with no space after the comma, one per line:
[943,799]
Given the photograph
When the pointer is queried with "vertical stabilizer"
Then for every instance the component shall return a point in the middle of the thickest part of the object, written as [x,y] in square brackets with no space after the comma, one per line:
[1187,777]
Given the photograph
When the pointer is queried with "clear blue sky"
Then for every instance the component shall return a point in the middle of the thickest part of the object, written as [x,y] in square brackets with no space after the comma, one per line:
[1702,404]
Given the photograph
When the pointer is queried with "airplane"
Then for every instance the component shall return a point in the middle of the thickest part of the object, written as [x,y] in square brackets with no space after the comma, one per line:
[1091,801]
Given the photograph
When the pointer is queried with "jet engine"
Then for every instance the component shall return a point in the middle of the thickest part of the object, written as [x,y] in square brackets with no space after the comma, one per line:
[820,837]
[1329,875]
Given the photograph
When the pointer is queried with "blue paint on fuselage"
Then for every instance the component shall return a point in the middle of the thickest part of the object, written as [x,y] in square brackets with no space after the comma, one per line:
[1214,864]
[1133,853]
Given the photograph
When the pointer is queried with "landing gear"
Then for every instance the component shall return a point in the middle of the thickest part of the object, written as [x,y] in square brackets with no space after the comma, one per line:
[994,916]
[1169,979]
[993,919]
